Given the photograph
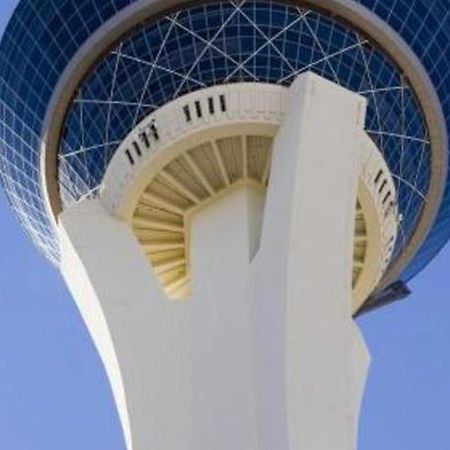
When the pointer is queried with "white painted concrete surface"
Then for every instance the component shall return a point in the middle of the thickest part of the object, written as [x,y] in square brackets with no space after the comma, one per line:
[252,110]
[313,360]
[265,354]
[224,357]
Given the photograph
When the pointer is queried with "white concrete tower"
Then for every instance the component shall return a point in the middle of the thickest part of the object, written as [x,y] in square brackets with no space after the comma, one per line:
[238,229]
[225,185]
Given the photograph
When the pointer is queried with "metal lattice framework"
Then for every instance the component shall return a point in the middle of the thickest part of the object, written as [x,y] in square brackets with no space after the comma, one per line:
[224,41]
[234,41]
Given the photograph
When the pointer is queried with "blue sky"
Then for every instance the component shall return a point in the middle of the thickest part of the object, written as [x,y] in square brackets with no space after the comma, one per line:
[54,394]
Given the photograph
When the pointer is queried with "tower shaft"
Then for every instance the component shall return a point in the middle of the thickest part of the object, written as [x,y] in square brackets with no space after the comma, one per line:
[265,354]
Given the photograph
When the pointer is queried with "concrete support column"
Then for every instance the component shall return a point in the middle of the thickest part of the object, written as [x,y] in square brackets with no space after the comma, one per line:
[223,238]
[143,339]
[313,360]
[265,355]
[182,373]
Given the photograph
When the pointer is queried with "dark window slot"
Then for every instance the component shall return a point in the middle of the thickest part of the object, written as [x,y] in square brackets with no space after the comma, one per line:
[211,105]
[144,139]
[187,113]
[377,178]
[223,103]
[137,149]
[198,108]
[155,131]
[388,209]
[130,158]
[386,197]
[383,185]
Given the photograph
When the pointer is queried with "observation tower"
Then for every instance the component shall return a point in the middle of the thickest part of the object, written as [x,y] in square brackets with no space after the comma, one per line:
[224,186]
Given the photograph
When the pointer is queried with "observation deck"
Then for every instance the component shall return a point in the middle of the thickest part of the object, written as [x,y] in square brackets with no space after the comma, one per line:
[77,77]
[200,147]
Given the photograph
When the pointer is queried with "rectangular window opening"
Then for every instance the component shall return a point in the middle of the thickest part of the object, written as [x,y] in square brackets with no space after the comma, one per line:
[144,139]
[198,108]
[211,105]
[187,113]
[377,178]
[383,185]
[130,158]
[155,131]
[386,197]
[137,149]
[223,103]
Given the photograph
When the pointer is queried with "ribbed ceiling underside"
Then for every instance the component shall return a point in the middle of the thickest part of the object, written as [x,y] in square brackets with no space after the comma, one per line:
[189,181]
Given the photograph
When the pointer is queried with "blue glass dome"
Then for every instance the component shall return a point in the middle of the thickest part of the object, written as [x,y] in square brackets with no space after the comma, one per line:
[221,41]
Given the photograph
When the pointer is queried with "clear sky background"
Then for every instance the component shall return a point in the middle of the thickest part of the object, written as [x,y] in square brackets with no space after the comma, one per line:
[54,394]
